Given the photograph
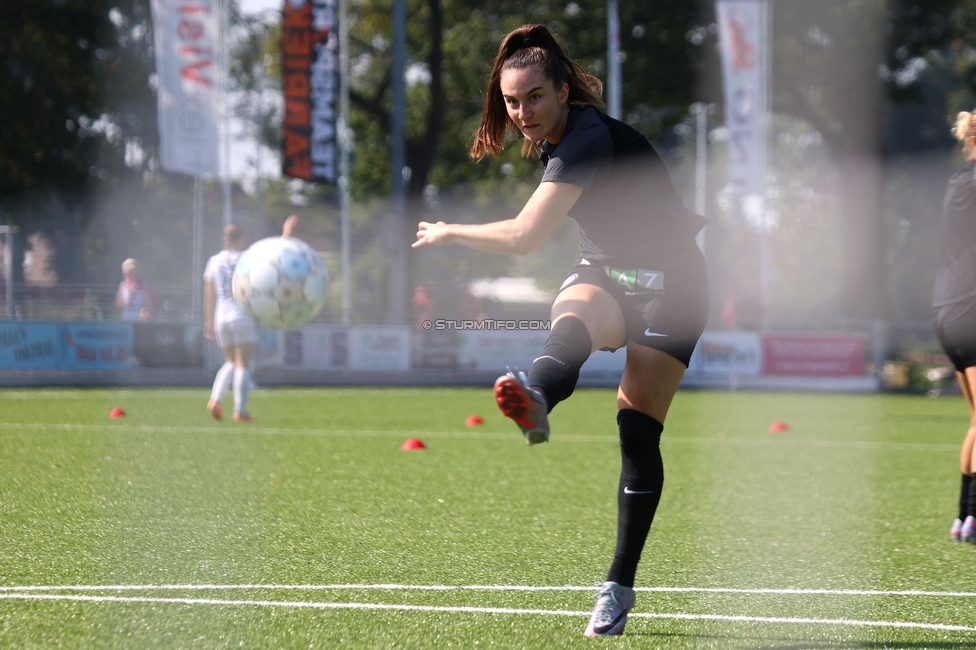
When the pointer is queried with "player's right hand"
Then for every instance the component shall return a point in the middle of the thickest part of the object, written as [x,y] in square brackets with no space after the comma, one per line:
[432,234]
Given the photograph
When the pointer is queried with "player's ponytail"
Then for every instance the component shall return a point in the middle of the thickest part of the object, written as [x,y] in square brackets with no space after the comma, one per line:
[528,46]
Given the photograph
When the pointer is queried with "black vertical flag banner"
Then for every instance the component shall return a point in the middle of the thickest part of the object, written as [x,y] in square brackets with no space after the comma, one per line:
[310,48]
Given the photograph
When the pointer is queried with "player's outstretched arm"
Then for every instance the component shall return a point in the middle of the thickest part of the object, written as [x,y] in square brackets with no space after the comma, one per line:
[525,233]
[289,226]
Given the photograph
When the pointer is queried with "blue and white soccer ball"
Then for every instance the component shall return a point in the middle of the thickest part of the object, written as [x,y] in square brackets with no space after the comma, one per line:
[280,282]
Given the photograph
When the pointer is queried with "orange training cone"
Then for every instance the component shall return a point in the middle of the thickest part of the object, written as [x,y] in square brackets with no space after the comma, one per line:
[778,427]
[413,443]
[116,413]
[474,420]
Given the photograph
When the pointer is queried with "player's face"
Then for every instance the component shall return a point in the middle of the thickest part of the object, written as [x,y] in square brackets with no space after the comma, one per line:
[538,109]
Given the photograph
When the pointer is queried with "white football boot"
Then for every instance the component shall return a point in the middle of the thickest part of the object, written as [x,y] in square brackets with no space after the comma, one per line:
[613,602]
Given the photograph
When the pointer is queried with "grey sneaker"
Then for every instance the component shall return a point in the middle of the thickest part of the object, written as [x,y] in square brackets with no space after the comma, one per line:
[610,613]
[969,530]
[524,405]
[955,533]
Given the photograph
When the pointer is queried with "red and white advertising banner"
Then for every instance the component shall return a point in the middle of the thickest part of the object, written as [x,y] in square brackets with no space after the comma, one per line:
[818,356]
[742,43]
[310,52]
[186,33]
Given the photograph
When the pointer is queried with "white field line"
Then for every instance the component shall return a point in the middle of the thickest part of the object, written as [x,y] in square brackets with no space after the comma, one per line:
[788,591]
[165,393]
[481,435]
[485,610]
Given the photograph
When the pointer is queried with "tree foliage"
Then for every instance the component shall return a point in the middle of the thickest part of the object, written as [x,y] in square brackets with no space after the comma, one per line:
[79,117]
[51,53]
[450,46]
[78,145]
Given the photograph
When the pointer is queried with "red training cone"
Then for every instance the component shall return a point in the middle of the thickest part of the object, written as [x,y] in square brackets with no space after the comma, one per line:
[474,420]
[116,413]
[413,443]
[778,427]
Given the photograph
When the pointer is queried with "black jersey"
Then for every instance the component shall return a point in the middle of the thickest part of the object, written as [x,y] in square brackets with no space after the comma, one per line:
[629,210]
[956,277]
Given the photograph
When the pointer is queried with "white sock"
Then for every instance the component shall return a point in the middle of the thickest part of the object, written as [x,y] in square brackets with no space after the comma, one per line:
[242,385]
[222,381]
[250,375]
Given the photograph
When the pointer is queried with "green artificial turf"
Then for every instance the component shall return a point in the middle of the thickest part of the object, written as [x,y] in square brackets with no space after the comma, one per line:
[279,532]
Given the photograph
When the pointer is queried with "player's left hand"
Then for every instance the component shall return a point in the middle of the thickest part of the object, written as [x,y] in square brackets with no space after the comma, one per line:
[432,234]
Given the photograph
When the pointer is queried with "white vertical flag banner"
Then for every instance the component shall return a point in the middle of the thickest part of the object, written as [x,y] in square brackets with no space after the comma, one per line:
[186,70]
[742,42]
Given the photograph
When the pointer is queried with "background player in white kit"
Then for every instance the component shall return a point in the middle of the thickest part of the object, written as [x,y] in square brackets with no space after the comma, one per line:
[228,325]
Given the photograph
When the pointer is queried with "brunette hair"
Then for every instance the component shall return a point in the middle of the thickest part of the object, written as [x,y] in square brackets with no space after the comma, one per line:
[232,235]
[525,47]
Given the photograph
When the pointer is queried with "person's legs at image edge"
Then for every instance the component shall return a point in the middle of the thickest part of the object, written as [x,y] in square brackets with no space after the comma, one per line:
[964,527]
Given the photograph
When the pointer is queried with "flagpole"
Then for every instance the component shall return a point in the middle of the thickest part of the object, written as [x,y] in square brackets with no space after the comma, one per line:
[701,163]
[614,77]
[345,144]
[766,8]
[397,261]
[196,264]
[224,130]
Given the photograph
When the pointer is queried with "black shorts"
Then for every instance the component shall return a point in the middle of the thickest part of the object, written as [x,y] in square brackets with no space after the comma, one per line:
[955,327]
[664,310]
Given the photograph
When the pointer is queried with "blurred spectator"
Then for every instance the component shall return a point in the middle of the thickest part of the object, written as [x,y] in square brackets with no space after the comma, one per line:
[423,306]
[135,297]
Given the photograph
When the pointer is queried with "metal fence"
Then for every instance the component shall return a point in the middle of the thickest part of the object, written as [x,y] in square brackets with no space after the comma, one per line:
[174,303]
[70,301]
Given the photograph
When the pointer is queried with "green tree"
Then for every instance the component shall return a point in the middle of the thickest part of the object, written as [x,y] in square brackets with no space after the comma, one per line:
[51,54]
[860,73]
[450,47]
[79,121]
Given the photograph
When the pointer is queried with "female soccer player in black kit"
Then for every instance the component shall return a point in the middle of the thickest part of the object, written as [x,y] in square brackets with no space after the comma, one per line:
[640,281]
[954,304]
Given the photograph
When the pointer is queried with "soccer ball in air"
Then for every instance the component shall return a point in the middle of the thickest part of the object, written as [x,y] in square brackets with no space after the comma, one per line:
[280,282]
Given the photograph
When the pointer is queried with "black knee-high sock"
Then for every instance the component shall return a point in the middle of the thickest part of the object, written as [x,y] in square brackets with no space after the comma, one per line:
[964,496]
[555,372]
[971,506]
[639,492]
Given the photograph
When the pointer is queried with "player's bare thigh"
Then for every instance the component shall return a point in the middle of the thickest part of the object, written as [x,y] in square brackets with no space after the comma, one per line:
[239,355]
[597,309]
[243,355]
[650,377]
[649,382]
